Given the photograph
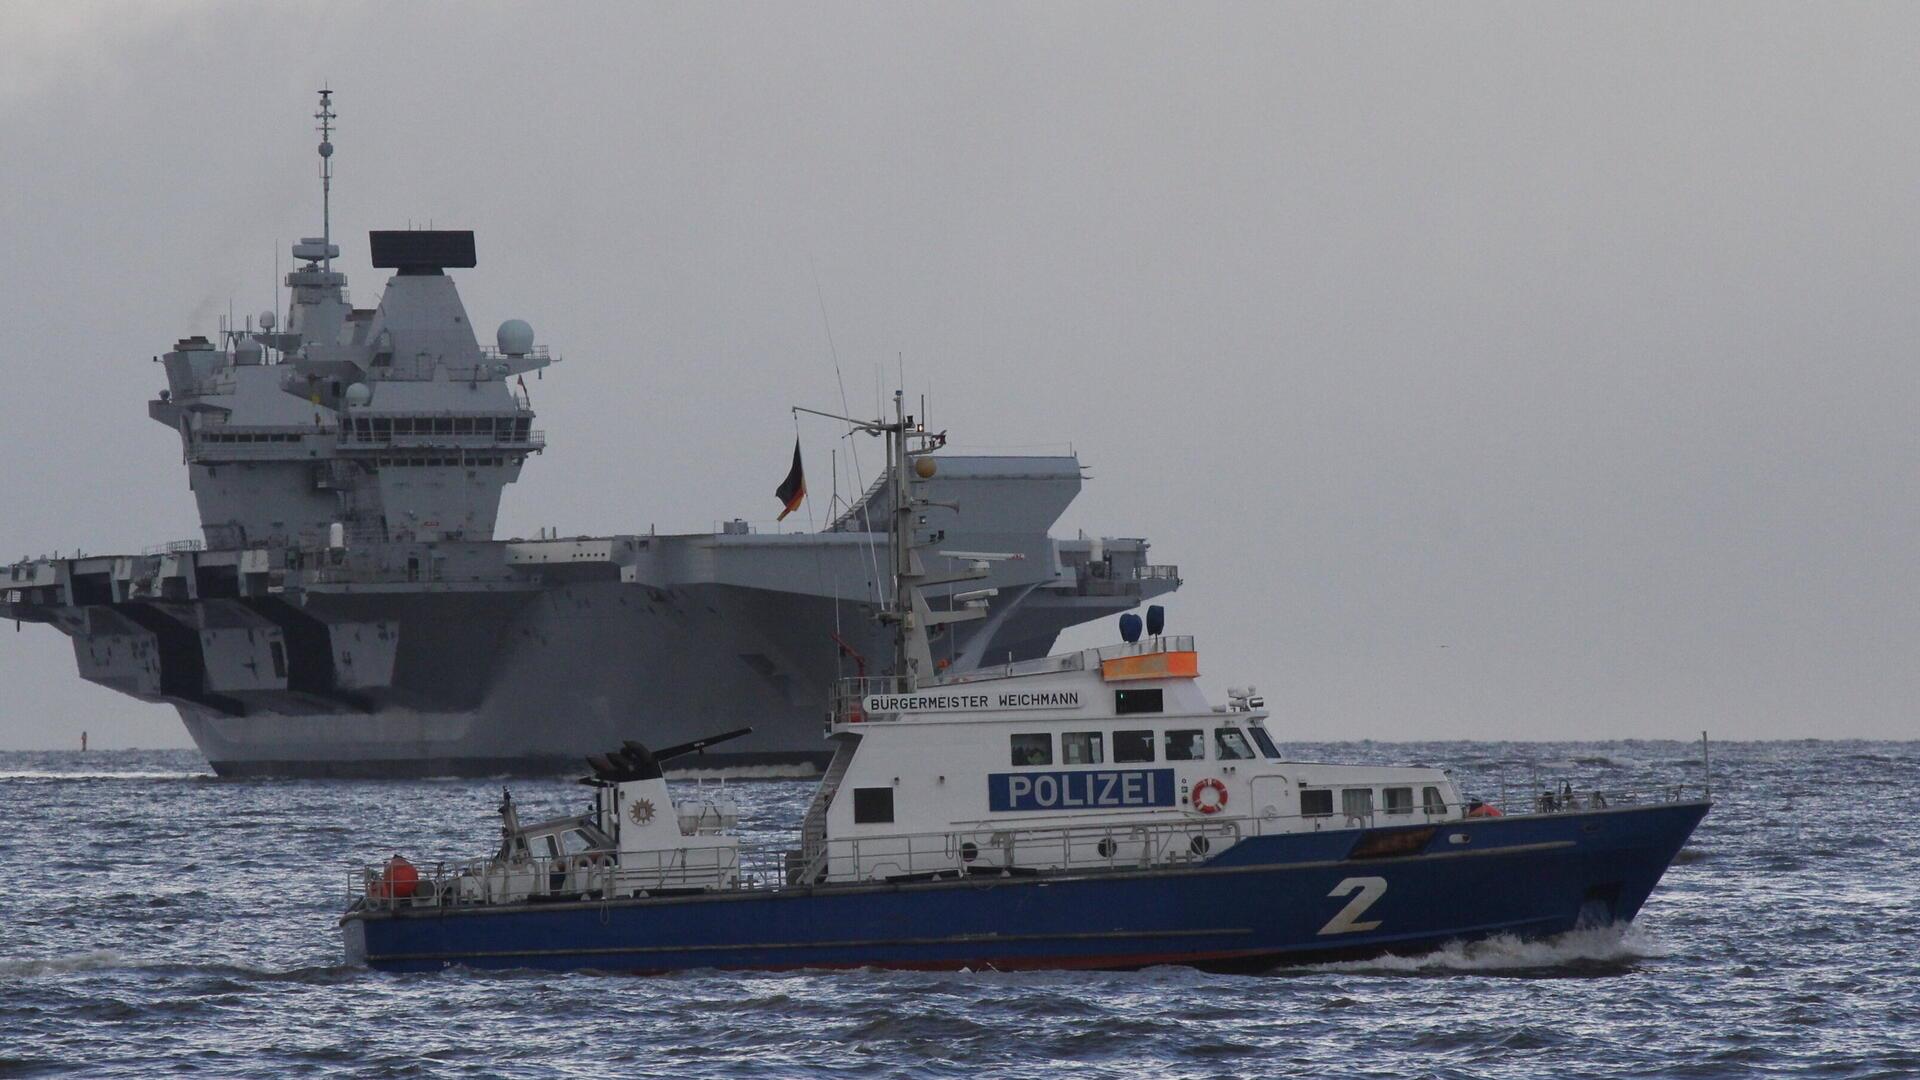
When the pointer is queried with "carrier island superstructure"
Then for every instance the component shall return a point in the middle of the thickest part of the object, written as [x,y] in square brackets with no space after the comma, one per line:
[350,612]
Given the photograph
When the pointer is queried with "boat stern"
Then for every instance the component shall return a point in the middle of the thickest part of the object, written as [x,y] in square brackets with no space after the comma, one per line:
[354,929]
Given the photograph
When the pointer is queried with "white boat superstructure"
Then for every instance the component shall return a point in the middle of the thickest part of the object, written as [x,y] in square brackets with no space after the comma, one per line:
[1108,756]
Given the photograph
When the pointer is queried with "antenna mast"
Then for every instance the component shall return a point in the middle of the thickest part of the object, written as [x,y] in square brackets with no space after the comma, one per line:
[326,118]
[908,468]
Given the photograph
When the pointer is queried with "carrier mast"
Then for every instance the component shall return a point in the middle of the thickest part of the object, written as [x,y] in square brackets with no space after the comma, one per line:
[326,118]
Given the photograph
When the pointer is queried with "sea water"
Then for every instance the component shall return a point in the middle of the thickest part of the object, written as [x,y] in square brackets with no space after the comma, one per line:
[155,920]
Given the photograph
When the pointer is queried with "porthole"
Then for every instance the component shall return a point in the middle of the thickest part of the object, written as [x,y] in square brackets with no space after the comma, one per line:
[1107,848]
[1199,845]
[969,851]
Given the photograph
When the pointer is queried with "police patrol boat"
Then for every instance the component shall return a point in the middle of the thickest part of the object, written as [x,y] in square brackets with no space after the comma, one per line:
[1084,810]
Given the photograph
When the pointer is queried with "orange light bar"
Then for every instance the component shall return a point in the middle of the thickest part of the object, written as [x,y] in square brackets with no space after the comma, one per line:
[1160,665]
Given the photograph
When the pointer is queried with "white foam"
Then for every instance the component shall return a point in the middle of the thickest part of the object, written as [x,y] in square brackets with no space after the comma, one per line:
[96,960]
[1607,944]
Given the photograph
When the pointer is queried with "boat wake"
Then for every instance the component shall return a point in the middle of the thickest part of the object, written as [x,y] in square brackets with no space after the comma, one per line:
[92,960]
[1603,950]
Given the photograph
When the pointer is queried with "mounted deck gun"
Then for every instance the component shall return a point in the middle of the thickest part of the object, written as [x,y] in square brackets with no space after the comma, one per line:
[634,761]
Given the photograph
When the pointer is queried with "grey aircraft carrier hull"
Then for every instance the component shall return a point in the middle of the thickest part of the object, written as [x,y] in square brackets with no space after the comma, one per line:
[540,682]
[505,657]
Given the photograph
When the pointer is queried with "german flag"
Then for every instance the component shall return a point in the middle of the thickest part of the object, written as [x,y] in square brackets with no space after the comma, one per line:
[793,490]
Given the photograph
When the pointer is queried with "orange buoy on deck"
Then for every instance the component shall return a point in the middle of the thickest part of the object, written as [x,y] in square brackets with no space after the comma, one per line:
[397,881]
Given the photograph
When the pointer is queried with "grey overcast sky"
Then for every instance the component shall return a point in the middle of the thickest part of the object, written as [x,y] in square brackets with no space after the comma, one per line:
[1496,371]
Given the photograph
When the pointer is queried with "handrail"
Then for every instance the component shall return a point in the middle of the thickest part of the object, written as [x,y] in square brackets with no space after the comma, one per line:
[843,521]
[350,438]
[988,850]
[1147,646]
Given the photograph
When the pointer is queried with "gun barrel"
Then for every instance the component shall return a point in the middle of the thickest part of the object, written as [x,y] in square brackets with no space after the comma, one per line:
[697,745]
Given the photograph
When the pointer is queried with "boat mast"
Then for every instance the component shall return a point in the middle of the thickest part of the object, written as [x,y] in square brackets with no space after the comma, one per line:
[909,466]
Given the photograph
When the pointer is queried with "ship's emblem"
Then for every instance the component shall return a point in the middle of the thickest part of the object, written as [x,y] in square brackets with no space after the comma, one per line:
[641,812]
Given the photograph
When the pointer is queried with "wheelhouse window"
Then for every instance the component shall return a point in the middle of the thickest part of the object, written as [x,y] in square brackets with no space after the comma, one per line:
[1135,702]
[575,841]
[1187,744]
[1131,746]
[1316,803]
[1431,801]
[1356,802]
[872,805]
[1082,748]
[1397,800]
[1033,749]
[1264,741]
[1230,744]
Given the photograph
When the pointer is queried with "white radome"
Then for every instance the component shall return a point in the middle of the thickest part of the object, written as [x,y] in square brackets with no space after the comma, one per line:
[359,394]
[515,337]
[266,320]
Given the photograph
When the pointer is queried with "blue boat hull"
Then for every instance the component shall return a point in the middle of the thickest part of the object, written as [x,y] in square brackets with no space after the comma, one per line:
[1265,901]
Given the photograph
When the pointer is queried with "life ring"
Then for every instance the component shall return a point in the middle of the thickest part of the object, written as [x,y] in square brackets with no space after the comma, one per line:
[1485,810]
[1214,806]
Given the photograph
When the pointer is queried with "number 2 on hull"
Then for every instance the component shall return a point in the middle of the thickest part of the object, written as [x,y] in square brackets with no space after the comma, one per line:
[1366,890]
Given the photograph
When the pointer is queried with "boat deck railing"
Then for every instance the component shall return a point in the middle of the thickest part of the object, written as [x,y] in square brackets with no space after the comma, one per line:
[905,857]
[1113,846]
[1039,665]
[1565,798]
[1147,646]
[764,867]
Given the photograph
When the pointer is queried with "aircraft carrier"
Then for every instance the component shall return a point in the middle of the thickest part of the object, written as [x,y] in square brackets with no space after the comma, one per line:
[349,612]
